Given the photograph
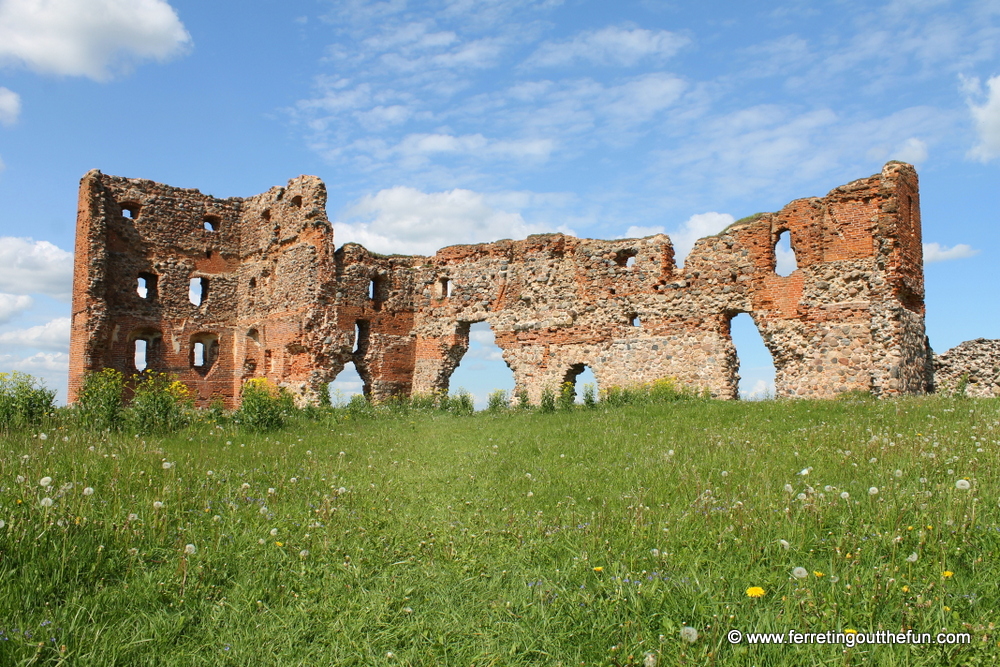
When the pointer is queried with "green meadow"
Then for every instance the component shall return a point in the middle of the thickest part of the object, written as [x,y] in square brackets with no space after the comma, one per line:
[634,534]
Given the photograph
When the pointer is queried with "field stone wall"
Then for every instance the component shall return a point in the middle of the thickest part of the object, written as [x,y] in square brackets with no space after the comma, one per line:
[283,303]
[974,364]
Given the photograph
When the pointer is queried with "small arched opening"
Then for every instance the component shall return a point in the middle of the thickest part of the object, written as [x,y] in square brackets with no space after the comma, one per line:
[580,380]
[198,291]
[346,385]
[145,349]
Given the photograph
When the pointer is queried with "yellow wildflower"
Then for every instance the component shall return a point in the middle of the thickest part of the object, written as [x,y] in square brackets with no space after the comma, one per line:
[755,592]
[947,574]
[598,569]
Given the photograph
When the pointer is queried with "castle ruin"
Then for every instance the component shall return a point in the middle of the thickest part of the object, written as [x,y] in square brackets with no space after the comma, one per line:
[217,291]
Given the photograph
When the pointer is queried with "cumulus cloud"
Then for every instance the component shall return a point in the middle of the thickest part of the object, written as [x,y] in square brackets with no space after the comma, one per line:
[53,335]
[35,267]
[10,106]
[40,363]
[609,46]
[95,39]
[935,252]
[986,117]
[762,389]
[12,304]
[406,220]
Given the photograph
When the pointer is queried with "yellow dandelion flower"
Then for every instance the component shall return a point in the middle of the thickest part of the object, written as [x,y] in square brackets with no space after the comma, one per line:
[598,569]
[947,574]
[755,592]
[848,555]
[850,631]
[818,573]
[279,544]
[906,589]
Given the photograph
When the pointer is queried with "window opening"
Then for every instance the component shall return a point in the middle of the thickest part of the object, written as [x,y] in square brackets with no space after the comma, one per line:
[130,210]
[139,357]
[626,257]
[211,223]
[583,382]
[755,365]
[253,283]
[204,351]
[254,335]
[297,201]
[634,320]
[146,286]
[361,329]
[784,255]
[198,291]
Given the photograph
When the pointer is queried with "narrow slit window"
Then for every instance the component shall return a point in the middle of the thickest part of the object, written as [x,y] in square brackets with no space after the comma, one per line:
[141,288]
[199,355]
[634,320]
[141,347]
[371,289]
[630,262]
[130,210]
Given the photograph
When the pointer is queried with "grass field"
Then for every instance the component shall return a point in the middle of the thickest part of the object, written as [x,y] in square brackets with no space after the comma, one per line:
[632,535]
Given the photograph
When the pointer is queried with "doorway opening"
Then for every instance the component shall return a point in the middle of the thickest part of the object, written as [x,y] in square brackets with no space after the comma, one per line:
[756,365]
[482,369]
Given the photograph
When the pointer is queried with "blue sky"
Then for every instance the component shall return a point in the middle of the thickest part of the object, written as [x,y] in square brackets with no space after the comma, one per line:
[457,121]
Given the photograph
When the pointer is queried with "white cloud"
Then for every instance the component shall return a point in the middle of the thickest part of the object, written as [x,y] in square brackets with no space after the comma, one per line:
[12,304]
[416,148]
[35,267]
[697,226]
[53,335]
[10,106]
[407,221]
[912,150]
[935,252]
[639,232]
[986,117]
[96,38]
[609,46]
[762,389]
[40,363]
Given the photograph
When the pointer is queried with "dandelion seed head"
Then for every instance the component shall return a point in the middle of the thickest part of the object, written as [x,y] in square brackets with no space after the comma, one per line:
[270,491]
[789,489]
[20,479]
[801,496]
[962,484]
[2,523]
[274,532]
[898,473]
[649,660]
[44,482]
[133,517]
[89,491]
[263,509]
[873,491]
[190,549]
[43,436]
[304,554]
[800,573]
[46,502]
[244,486]
[784,544]
[689,634]
[844,495]
[912,558]
[157,505]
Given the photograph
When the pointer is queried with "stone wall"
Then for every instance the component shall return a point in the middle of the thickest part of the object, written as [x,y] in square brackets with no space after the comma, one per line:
[974,363]
[282,303]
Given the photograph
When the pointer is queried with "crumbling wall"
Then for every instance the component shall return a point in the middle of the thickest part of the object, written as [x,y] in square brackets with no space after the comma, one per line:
[972,367]
[283,304]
